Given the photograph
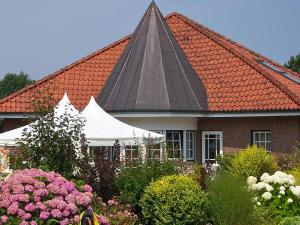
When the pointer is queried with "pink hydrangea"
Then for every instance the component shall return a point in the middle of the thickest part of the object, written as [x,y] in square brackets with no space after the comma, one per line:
[47,195]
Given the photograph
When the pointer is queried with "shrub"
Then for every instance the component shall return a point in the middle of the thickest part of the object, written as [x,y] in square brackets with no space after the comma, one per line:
[115,212]
[252,161]
[277,193]
[39,197]
[133,178]
[229,200]
[291,221]
[173,199]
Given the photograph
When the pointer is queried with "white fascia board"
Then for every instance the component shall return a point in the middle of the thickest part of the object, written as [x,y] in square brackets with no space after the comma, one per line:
[208,115]
[15,115]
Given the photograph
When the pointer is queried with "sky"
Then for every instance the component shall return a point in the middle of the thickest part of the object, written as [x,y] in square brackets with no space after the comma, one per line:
[41,37]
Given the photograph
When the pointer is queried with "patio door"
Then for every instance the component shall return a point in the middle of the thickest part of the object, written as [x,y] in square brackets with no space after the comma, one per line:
[212,145]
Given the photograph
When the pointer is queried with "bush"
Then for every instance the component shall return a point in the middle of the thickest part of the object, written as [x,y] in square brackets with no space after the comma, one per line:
[39,197]
[133,178]
[229,200]
[115,212]
[276,193]
[291,221]
[172,200]
[252,161]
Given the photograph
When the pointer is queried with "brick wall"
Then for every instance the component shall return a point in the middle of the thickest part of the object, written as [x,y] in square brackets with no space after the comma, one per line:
[285,132]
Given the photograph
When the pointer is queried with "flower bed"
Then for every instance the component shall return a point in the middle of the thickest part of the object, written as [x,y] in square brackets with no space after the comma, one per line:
[32,196]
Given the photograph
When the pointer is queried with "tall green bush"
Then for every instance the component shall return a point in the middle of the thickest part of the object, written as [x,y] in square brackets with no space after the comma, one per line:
[291,221]
[175,199]
[132,179]
[252,161]
[229,200]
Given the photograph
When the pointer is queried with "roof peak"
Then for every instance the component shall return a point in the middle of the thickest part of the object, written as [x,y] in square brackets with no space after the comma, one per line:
[153,72]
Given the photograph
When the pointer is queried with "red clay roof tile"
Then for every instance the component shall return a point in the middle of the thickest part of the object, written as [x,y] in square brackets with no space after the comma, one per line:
[233,78]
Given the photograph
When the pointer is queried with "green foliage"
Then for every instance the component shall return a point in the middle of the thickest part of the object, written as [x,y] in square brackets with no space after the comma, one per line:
[291,221]
[133,178]
[13,82]
[252,161]
[294,63]
[52,142]
[172,200]
[229,200]
[296,173]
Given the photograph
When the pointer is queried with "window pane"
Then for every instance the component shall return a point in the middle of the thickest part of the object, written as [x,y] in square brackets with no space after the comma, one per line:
[262,136]
[256,136]
[206,150]
[176,136]
[212,136]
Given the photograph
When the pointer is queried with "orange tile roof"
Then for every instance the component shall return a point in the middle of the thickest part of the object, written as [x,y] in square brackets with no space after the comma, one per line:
[234,80]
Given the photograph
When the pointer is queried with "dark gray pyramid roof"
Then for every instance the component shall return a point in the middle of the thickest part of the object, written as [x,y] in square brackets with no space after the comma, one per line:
[153,73]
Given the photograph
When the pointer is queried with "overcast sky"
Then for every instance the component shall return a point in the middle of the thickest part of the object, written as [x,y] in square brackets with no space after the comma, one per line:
[40,37]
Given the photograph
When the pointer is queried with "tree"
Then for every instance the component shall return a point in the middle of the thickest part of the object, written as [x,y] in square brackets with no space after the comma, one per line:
[12,82]
[52,142]
[294,63]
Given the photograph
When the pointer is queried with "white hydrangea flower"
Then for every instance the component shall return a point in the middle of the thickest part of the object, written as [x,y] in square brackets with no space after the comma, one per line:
[295,190]
[267,195]
[279,196]
[282,188]
[269,188]
[291,179]
[266,178]
[280,177]
[255,199]
[259,186]
[290,200]
[258,203]
[251,180]
[282,192]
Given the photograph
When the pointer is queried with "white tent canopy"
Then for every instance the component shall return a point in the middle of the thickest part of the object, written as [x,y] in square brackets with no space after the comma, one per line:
[9,137]
[101,129]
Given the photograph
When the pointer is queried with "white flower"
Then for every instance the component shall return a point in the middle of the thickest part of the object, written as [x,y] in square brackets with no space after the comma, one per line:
[269,188]
[279,196]
[258,203]
[255,199]
[251,180]
[259,186]
[295,190]
[290,200]
[266,178]
[282,188]
[267,195]
[280,177]
[282,192]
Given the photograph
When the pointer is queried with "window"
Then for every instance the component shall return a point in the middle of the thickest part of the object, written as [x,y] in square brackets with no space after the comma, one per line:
[212,146]
[155,149]
[104,152]
[131,152]
[174,144]
[262,139]
[190,145]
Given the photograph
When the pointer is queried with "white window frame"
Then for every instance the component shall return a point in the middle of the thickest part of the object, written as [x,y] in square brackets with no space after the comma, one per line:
[131,149]
[204,133]
[193,142]
[181,141]
[160,149]
[260,143]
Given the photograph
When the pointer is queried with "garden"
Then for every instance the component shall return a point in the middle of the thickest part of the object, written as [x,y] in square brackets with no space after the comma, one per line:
[56,181]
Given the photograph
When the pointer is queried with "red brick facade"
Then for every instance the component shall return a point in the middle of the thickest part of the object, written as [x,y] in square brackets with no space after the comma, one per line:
[237,132]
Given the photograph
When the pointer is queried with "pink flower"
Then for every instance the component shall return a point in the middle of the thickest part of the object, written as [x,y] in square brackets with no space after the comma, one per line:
[30,207]
[44,215]
[77,219]
[29,188]
[111,202]
[4,218]
[56,213]
[64,222]
[83,200]
[26,216]
[87,188]
[24,222]
[12,210]
[33,223]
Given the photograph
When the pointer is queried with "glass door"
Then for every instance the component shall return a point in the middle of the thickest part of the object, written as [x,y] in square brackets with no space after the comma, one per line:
[212,145]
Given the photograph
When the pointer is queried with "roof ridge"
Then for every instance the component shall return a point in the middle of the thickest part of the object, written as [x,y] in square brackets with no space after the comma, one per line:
[210,34]
[56,73]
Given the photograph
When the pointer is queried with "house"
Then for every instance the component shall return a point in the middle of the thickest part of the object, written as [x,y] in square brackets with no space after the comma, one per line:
[208,94]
